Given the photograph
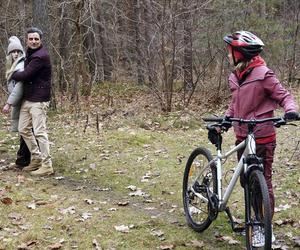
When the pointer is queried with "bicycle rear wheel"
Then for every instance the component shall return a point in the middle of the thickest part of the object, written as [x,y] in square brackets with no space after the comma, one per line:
[258,212]
[199,182]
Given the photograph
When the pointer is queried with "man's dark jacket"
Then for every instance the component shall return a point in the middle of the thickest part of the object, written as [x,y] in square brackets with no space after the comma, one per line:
[36,76]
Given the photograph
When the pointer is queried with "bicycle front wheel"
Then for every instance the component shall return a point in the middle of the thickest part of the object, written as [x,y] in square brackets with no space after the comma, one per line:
[258,213]
[199,185]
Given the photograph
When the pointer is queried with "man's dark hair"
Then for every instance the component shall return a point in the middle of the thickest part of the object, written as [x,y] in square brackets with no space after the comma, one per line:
[35,30]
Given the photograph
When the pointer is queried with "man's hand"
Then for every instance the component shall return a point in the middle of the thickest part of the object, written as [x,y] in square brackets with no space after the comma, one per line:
[6,108]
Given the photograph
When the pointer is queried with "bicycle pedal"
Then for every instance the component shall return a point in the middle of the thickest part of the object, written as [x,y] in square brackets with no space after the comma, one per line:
[199,188]
[239,229]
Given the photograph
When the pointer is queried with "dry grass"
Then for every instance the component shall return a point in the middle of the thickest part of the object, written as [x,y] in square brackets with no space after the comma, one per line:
[88,197]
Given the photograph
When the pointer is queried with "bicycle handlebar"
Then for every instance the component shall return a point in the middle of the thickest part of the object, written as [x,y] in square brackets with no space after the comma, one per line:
[278,121]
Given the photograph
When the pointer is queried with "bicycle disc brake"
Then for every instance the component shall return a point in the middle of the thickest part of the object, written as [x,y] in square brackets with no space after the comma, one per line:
[213,201]
[213,205]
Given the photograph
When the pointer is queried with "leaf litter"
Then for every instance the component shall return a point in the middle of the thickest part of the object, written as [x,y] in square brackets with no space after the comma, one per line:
[67,208]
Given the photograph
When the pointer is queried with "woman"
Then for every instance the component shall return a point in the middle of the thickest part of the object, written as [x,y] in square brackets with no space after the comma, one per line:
[256,93]
[15,62]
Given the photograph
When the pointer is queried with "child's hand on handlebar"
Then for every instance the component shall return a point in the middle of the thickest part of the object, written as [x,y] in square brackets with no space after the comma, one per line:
[293,115]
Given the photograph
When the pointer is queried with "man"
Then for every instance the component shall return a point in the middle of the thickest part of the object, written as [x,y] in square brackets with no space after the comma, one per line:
[36,79]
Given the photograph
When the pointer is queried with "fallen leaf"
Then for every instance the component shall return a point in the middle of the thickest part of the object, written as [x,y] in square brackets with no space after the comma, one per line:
[146,177]
[157,233]
[24,227]
[123,203]
[15,216]
[88,201]
[86,216]
[119,172]
[280,247]
[69,210]
[167,192]
[96,245]
[282,207]
[23,246]
[26,246]
[228,239]
[195,243]
[40,203]
[102,189]
[122,229]
[284,222]
[31,206]
[138,192]
[167,247]
[2,192]
[59,178]
[132,187]
[7,201]
[55,246]
[93,166]
[20,178]
[297,243]
[47,227]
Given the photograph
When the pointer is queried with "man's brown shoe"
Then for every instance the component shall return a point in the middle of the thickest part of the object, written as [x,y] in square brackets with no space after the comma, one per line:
[34,165]
[43,171]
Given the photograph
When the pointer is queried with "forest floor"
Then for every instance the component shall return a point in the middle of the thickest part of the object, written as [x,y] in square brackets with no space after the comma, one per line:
[118,179]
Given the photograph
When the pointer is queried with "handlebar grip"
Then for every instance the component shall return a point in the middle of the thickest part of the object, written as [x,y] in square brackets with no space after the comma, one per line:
[213,119]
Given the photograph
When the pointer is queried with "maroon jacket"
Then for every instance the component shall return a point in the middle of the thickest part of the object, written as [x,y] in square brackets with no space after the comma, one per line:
[257,97]
[36,76]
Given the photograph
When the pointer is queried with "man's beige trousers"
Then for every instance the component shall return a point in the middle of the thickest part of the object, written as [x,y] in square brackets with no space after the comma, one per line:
[33,117]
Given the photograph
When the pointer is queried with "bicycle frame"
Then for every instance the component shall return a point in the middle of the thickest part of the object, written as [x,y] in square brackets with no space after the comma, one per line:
[203,194]
[250,149]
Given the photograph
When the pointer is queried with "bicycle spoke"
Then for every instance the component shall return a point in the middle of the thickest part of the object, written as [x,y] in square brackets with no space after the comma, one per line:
[199,177]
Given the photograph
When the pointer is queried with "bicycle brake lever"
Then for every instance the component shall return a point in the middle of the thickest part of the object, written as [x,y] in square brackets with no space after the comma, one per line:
[225,125]
[280,123]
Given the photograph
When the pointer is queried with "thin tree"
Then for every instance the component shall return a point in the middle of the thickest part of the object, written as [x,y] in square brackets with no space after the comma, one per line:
[188,50]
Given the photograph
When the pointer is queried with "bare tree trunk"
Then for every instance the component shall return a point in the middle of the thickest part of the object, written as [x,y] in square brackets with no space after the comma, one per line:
[138,52]
[188,49]
[96,23]
[83,79]
[62,39]
[292,64]
[22,17]
[262,9]
[152,77]
[248,9]
[168,52]
[164,59]
[88,37]
[40,18]
[103,41]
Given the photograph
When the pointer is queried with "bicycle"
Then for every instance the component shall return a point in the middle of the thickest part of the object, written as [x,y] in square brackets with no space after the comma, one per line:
[202,191]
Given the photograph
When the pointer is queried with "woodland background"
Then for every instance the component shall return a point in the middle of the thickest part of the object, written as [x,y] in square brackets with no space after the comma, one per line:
[164,46]
[131,81]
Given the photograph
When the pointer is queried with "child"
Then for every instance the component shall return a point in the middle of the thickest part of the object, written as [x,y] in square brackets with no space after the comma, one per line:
[256,93]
